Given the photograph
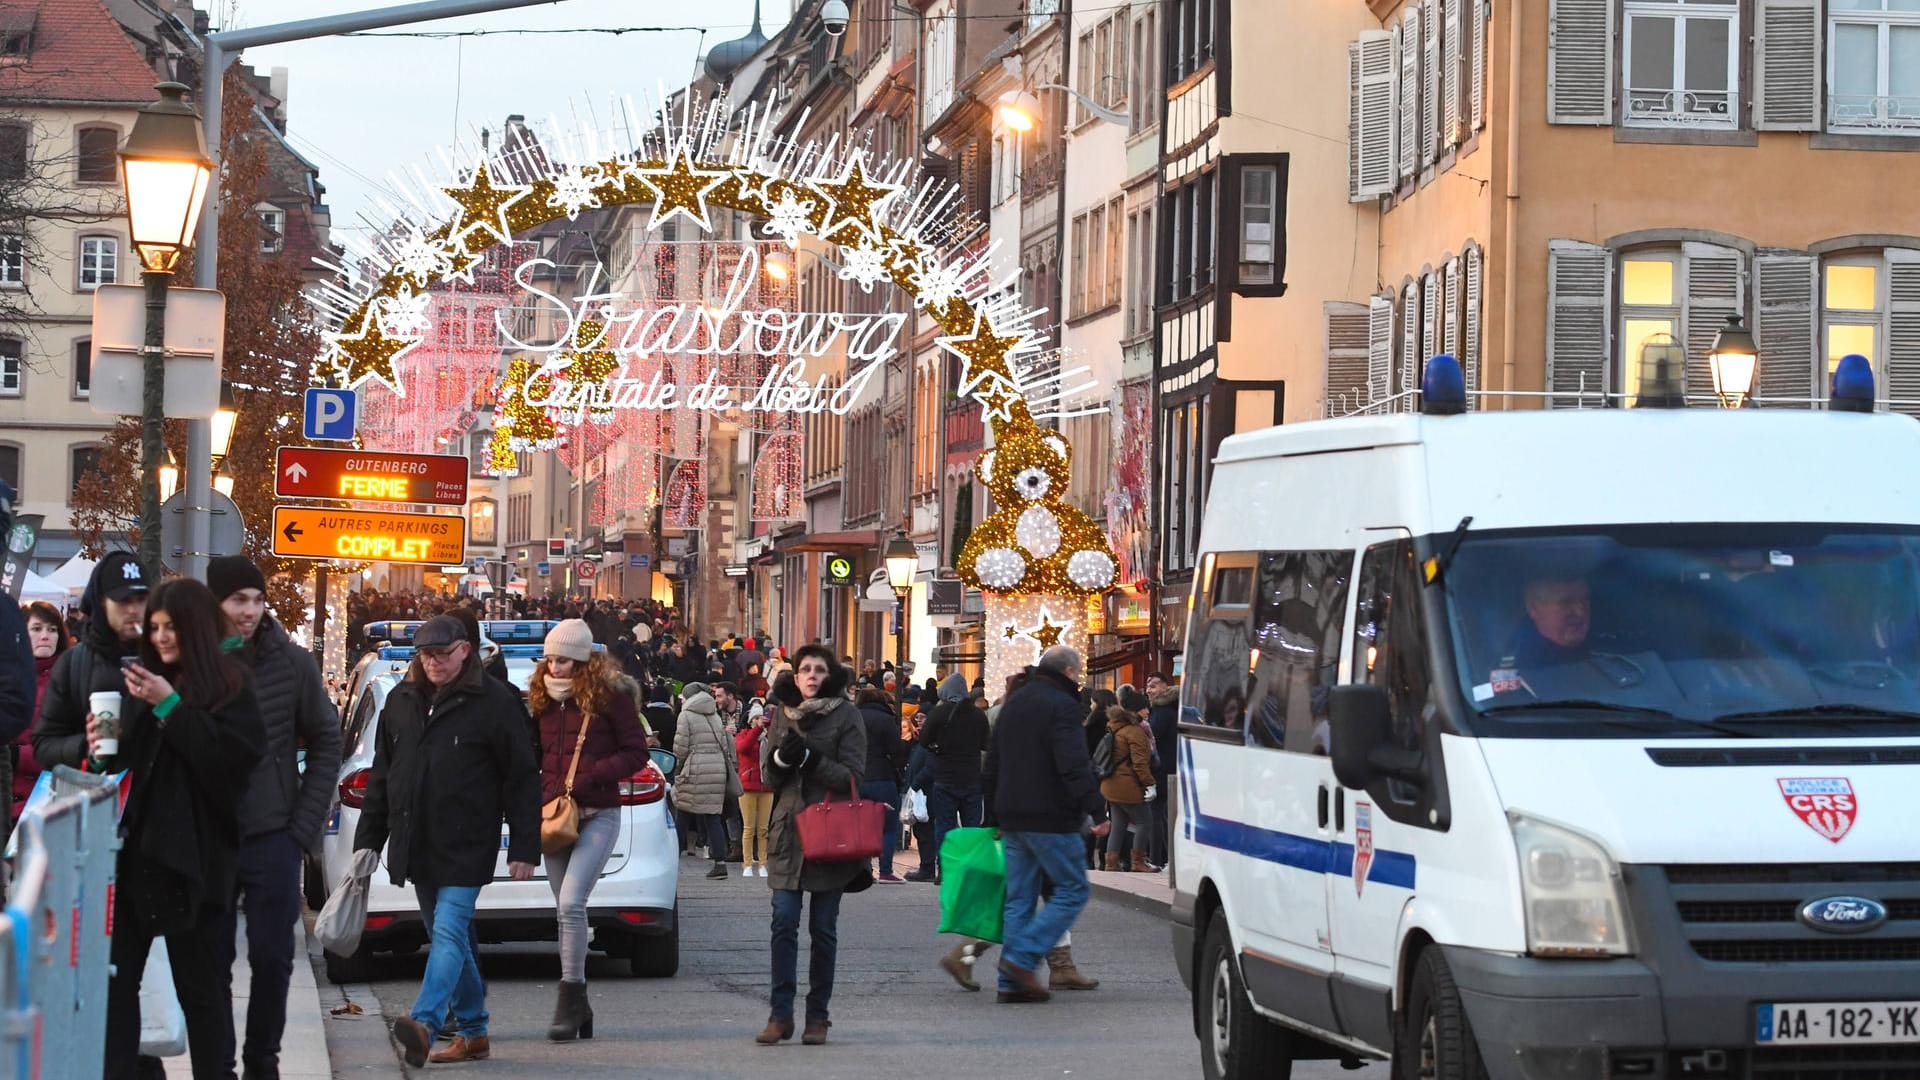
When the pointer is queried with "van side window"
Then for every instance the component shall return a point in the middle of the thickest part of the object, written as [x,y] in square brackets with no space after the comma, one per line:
[1214,691]
[1389,647]
[362,713]
[1300,615]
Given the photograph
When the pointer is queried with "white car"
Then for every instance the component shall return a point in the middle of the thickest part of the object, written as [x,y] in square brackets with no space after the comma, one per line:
[634,911]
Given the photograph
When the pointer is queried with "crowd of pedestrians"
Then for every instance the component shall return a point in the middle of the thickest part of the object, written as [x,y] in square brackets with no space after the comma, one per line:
[199,694]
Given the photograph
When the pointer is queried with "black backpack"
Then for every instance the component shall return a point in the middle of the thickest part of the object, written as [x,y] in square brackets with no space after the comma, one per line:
[1103,763]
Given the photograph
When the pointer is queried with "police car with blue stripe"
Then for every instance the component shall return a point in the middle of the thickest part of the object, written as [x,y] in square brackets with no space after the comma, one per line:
[1569,743]
[634,912]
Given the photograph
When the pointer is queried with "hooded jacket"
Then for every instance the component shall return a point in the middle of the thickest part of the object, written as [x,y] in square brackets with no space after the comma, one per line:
[297,713]
[449,764]
[705,752]
[60,733]
[957,735]
[886,754]
[1164,722]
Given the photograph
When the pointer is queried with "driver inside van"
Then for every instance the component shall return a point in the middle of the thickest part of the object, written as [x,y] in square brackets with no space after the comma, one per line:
[1559,609]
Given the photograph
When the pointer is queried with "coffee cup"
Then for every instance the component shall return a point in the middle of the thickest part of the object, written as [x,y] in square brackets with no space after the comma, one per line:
[105,705]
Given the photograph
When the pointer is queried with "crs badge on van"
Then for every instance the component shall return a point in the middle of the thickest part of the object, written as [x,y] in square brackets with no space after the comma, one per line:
[1826,804]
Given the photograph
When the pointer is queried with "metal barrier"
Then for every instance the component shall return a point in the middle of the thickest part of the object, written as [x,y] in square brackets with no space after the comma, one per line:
[54,941]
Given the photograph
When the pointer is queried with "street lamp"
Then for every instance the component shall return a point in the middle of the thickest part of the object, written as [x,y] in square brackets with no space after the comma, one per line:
[224,419]
[1021,109]
[165,170]
[169,478]
[902,563]
[1735,359]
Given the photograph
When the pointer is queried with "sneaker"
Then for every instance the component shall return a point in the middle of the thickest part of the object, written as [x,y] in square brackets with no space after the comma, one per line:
[888,879]
[763,869]
[746,871]
[918,876]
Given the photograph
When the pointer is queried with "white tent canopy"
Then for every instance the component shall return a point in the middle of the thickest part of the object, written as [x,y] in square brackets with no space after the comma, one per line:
[36,587]
[72,575]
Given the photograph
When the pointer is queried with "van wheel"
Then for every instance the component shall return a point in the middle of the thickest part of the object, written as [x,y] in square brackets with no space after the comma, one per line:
[1436,1042]
[656,957]
[1236,1043]
[358,968]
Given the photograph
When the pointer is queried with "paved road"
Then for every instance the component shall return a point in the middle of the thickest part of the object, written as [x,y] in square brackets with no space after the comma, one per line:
[895,1014]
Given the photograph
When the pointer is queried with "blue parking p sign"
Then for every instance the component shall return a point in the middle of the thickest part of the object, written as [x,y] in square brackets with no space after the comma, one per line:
[331,414]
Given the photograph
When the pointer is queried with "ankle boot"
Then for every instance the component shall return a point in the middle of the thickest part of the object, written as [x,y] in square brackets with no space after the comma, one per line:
[778,1029]
[1109,861]
[572,1014]
[1062,975]
[959,963]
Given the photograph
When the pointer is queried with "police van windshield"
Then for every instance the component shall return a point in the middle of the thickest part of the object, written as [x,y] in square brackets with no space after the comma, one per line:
[1690,631]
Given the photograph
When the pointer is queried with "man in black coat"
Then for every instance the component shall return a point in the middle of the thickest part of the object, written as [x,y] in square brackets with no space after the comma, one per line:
[1044,793]
[116,607]
[1163,719]
[283,810]
[452,760]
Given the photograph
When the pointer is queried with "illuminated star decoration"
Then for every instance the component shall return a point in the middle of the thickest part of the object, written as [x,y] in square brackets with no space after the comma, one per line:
[997,397]
[1012,632]
[529,427]
[370,354]
[986,352]
[853,202]
[682,189]
[1048,632]
[483,206]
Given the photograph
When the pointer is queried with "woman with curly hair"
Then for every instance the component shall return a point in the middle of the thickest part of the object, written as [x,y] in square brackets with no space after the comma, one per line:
[591,738]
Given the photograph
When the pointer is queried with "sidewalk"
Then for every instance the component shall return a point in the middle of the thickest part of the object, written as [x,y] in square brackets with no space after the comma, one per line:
[1143,892]
[303,1049]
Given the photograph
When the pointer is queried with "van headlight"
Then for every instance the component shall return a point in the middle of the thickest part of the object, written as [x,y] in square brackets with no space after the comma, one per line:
[1572,892]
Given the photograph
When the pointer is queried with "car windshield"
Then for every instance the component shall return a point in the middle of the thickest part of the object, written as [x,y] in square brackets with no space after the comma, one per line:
[1716,631]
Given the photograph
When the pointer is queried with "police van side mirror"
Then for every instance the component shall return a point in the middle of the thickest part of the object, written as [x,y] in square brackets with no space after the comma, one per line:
[1362,721]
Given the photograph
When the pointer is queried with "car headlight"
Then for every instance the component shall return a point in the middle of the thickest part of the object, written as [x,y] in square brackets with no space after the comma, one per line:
[1572,892]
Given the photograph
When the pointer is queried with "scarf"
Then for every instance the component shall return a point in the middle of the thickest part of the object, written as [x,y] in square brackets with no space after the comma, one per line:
[559,689]
[816,706]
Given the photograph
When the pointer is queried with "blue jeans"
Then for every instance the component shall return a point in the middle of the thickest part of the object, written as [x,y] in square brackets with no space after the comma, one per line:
[823,934]
[948,808]
[1058,859]
[888,792]
[453,974]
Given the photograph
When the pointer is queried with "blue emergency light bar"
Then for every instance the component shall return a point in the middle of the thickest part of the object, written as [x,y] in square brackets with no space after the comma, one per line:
[499,631]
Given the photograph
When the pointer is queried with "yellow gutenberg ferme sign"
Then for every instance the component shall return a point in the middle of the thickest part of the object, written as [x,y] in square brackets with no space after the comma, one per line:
[303,532]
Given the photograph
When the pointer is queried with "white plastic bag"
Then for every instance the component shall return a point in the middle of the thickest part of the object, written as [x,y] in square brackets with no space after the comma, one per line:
[345,914]
[163,1027]
[914,807]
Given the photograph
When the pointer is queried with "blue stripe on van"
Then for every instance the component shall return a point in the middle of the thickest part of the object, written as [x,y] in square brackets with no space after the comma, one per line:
[1308,853]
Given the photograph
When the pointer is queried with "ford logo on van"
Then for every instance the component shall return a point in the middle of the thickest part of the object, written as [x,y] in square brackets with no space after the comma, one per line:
[1843,914]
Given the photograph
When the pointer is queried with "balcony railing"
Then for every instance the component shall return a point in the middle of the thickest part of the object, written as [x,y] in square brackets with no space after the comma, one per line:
[1682,108]
[1888,115]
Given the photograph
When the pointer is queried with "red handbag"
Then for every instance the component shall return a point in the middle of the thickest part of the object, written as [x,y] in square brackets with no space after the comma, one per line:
[841,831]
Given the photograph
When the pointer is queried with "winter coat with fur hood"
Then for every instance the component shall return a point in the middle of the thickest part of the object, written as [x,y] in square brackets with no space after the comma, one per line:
[705,751]
[1132,759]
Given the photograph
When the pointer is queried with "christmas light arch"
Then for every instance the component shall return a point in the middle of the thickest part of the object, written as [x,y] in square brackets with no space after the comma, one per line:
[884,223]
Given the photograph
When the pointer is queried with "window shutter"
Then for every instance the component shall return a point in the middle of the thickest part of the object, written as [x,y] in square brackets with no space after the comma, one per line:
[1903,330]
[1579,284]
[1450,302]
[1408,150]
[1429,322]
[1379,346]
[1409,358]
[1715,289]
[1376,114]
[1580,61]
[1787,286]
[1353,122]
[1477,63]
[1430,83]
[1348,347]
[1470,320]
[1450,54]
[1786,65]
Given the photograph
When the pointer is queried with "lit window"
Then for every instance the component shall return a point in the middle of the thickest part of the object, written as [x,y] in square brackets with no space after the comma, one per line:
[1649,308]
[1852,315]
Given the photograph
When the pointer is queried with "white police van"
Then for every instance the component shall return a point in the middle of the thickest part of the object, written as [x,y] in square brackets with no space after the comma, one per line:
[1556,744]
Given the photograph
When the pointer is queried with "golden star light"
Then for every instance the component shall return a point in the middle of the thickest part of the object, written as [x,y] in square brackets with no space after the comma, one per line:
[682,189]
[985,352]
[853,202]
[484,205]
[370,354]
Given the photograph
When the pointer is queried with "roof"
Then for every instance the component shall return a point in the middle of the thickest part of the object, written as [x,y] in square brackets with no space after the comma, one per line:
[81,54]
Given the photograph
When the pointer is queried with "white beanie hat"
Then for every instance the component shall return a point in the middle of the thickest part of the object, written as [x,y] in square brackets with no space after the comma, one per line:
[571,639]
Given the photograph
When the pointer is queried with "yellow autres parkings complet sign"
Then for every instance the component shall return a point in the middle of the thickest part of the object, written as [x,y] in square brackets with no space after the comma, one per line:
[303,532]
